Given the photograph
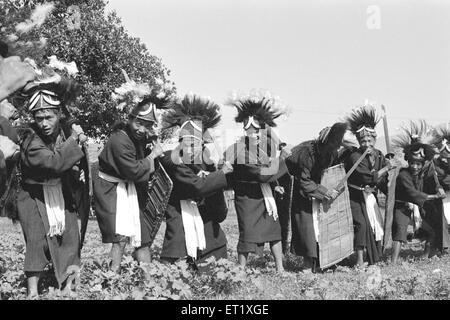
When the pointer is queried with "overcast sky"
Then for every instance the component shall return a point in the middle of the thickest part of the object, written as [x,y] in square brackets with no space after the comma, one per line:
[321,58]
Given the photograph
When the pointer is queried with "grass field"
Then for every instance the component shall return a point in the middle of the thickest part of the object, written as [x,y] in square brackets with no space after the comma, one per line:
[411,279]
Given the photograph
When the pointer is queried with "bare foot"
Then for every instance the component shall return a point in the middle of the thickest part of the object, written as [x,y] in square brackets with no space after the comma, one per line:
[307,271]
[32,295]
[73,272]
[280,270]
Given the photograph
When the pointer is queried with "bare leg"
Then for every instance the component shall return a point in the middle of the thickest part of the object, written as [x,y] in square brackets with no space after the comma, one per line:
[142,255]
[396,245]
[32,281]
[360,256]
[427,250]
[242,258]
[117,250]
[430,243]
[277,252]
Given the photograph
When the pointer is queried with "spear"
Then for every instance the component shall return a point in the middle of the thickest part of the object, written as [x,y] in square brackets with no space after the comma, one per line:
[392,178]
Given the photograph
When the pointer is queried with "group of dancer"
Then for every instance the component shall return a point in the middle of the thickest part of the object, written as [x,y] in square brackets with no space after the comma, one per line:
[52,169]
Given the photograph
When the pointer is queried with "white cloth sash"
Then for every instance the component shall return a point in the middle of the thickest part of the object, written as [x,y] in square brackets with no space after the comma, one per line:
[128,222]
[194,233]
[315,216]
[374,215]
[446,205]
[55,206]
[269,200]
[416,216]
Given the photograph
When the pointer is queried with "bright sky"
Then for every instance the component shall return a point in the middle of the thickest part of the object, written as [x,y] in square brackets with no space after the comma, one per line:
[319,57]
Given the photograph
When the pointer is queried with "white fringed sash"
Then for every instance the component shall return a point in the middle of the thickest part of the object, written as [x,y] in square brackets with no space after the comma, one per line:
[128,222]
[446,205]
[55,206]
[194,233]
[269,200]
[374,215]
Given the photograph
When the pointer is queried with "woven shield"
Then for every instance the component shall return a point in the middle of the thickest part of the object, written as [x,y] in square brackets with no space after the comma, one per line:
[335,222]
[159,190]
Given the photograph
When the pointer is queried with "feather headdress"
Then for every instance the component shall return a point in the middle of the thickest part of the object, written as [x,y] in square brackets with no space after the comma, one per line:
[147,108]
[416,140]
[441,135]
[51,92]
[363,120]
[259,105]
[193,114]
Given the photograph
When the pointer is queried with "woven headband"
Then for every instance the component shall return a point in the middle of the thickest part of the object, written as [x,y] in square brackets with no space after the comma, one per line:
[46,96]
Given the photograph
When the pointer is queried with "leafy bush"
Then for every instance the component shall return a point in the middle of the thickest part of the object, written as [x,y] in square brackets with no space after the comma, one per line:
[221,277]
[99,45]
[136,282]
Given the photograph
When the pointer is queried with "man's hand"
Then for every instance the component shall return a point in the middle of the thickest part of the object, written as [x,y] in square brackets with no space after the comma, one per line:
[393,163]
[279,190]
[441,193]
[227,167]
[14,75]
[433,197]
[8,147]
[157,150]
[78,133]
[332,194]
[285,152]
[203,173]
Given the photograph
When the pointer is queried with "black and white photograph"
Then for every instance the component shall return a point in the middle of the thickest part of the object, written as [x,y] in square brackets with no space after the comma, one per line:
[224,154]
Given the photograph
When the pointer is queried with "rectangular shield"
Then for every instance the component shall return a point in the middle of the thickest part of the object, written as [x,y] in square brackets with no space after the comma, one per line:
[159,190]
[335,222]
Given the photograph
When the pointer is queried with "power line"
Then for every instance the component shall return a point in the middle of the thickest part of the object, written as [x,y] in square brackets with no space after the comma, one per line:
[389,115]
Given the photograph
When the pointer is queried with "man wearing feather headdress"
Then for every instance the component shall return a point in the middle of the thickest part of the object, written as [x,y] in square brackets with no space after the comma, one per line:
[369,177]
[197,205]
[441,165]
[256,170]
[125,167]
[416,187]
[50,154]
[308,161]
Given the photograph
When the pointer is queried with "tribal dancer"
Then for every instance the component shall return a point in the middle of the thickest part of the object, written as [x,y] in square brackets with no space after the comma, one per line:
[50,152]
[197,205]
[410,196]
[441,164]
[256,170]
[307,163]
[125,167]
[369,177]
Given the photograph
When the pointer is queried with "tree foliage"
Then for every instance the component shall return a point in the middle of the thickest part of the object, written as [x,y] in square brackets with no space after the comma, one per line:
[83,32]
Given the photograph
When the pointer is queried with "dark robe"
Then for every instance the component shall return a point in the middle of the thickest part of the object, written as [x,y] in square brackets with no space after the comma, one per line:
[42,159]
[256,227]
[304,165]
[208,193]
[284,202]
[434,209]
[125,158]
[8,174]
[366,174]
[408,189]
[443,173]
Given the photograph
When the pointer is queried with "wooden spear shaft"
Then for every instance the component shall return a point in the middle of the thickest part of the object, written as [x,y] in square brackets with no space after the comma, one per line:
[390,197]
